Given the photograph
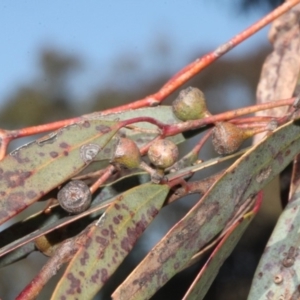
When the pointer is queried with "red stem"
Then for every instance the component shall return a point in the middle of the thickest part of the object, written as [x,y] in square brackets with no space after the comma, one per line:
[255,119]
[106,174]
[190,125]
[201,143]
[175,82]
[200,63]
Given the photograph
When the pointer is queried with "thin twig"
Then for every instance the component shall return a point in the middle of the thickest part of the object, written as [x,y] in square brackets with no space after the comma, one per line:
[169,87]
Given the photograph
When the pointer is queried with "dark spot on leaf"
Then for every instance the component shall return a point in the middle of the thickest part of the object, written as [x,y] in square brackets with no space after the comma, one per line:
[146,277]
[125,244]
[15,201]
[117,206]
[281,248]
[31,194]
[268,267]
[289,260]
[140,227]
[74,285]
[100,254]
[81,273]
[116,220]
[191,243]
[86,124]
[112,233]
[152,212]
[53,154]
[165,278]
[287,152]
[120,198]
[270,295]
[95,277]
[105,232]
[19,159]
[63,145]
[124,206]
[272,150]
[104,275]
[16,178]
[66,153]
[88,242]
[101,240]
[84,258]
[291,228]
[2,193]
[103,128]
[279,158]
[176,265]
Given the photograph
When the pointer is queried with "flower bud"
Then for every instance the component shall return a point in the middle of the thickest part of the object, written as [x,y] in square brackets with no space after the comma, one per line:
[163,153]
[190,105]
[127,153]
[227,137]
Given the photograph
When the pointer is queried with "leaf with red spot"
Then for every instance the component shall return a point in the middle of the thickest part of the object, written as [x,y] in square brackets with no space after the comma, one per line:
[110,241]
[278,272]
[19,234]
[211,268]
[31,171]
[248,175]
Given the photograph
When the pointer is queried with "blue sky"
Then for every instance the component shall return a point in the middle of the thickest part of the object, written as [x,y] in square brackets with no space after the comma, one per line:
[99,31]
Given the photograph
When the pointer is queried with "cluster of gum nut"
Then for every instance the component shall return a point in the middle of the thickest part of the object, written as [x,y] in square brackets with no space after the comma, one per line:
[190,104]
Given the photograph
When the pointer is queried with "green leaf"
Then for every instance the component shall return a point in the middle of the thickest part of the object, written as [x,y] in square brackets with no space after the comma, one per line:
[248,175]
[110,241]
[23,232]
[34,169]
[213,264]
[108,191]
[161,113]
[143,133]
[278,273]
